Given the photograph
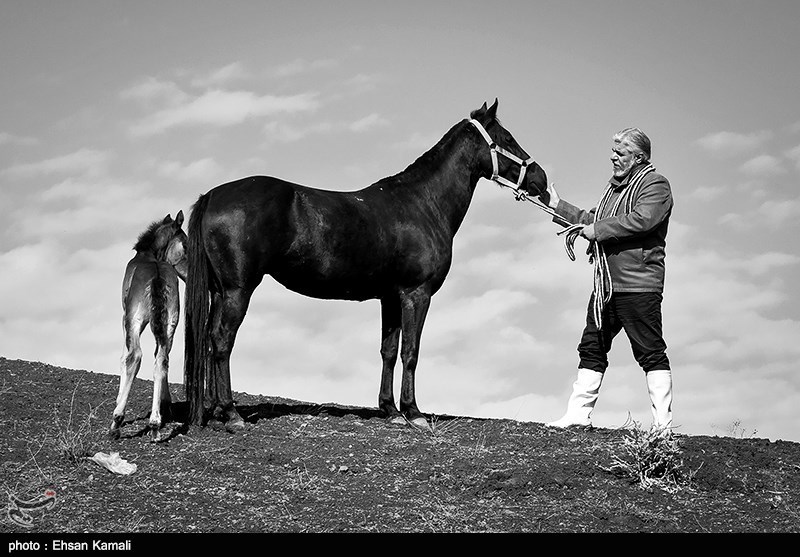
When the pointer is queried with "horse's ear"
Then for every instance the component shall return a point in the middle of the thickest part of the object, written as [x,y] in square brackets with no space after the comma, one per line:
[478,111]
[167,219]
[179,218]
[492,112]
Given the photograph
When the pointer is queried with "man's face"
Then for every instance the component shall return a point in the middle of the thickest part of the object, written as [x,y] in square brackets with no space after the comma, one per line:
[623,159]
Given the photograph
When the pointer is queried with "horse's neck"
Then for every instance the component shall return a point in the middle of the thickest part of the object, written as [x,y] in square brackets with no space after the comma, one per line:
[445,178]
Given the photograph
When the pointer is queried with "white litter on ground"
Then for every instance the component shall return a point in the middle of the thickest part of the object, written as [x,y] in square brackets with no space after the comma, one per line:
[114,463]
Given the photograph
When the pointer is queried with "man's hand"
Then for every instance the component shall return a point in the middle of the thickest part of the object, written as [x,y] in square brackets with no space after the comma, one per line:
[553,197]
[588,232]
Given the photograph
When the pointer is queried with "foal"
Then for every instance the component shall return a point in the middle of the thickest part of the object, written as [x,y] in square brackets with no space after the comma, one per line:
[150,295]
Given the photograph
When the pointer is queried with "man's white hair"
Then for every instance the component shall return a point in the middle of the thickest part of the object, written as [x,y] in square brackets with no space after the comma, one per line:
[635,138]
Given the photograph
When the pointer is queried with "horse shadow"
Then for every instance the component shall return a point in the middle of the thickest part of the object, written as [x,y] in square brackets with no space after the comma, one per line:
[256,412]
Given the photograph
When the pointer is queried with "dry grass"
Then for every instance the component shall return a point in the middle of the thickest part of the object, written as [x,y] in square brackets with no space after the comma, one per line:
[651,458]
[77,438]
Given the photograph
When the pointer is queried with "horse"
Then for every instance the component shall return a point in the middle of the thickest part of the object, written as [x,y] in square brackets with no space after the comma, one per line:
[391,241]
[150,295]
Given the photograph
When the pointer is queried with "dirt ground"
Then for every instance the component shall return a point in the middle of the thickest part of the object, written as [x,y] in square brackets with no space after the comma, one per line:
[301,467]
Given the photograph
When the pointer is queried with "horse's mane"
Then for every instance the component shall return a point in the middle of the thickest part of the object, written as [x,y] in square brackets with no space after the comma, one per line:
[147,239]
[428,158]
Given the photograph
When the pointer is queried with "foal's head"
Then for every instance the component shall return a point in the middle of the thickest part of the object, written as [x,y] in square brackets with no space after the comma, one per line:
[165,240]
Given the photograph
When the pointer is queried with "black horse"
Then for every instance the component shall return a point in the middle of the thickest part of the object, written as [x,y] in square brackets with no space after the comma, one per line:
[391,241]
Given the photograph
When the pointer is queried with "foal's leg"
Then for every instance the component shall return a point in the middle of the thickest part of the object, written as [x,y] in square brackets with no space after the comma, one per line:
[129,367]
[390,340]
[415,306]
[226,319]
[160,388]
[161,410]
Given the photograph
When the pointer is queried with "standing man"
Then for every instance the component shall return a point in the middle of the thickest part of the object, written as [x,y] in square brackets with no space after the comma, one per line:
[627,232]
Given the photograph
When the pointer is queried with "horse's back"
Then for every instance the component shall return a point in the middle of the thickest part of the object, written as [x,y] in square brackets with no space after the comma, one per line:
[321,243]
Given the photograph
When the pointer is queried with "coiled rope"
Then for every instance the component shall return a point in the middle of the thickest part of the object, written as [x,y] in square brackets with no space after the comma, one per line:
[602,288]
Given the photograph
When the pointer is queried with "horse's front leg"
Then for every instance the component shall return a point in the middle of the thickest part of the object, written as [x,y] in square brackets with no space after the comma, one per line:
[415,306]
[390,341]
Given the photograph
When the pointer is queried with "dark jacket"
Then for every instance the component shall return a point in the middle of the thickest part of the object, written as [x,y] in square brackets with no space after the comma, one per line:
[635,242]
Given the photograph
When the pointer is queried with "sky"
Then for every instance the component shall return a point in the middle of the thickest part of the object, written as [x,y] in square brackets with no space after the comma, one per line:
[115,114]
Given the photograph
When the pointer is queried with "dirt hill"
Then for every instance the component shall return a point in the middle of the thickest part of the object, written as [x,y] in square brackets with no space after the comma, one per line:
[302,467]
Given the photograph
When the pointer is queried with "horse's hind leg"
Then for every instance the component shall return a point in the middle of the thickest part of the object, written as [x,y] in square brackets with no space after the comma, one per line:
[161,410]
[227,313]
[129,367]
[390,340]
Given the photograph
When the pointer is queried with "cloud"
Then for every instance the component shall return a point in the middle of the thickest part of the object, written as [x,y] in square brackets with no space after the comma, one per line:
[287,133]
[11,139]
[151,89]
[223,108]
[726,143]
[418,142]
[362,83]
[763,165]
[717,306]
[205,170]
[776,213]
[235,71]
[368,122]
[63,306]
[705,193]
[794,155]
[89,161]
[301,66]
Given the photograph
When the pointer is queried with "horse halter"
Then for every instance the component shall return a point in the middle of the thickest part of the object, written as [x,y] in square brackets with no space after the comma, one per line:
[494,149]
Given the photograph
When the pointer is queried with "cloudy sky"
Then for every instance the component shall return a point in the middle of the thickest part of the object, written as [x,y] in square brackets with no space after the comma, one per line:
[115,114]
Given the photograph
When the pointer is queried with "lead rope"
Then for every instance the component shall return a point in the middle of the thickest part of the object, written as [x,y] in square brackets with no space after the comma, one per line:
[602,285]
[602,288]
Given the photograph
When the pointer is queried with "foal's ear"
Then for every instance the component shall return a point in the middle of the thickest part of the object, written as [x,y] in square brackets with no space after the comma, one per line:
[179,218]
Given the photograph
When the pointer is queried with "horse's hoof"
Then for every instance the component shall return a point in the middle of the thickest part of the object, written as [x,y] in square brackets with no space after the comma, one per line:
[215,424]
[235,426]
[156,433]
[420,423]
[398,420]
[113,434]
[159,436]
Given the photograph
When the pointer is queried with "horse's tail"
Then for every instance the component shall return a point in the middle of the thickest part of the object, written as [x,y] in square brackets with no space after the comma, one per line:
[159,302]
[197,358]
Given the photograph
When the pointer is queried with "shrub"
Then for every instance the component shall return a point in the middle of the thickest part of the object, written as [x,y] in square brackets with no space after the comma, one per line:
[651,458]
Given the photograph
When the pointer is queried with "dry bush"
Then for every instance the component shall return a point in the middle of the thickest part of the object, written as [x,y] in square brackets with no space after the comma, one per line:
[651,458]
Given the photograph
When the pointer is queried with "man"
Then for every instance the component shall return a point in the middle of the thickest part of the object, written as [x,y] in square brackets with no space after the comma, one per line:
[627,233]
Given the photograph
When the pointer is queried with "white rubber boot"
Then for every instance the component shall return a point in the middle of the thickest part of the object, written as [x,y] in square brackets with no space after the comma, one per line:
[659,386]
[582,400]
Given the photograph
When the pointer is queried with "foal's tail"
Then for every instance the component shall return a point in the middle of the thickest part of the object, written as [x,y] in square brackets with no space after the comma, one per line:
[197,359]
[159,303]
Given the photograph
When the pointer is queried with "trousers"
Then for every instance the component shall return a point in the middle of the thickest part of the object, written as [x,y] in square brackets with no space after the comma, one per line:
[639,314]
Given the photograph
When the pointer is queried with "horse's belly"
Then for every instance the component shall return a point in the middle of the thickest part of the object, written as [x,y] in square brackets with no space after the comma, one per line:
[315,283]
